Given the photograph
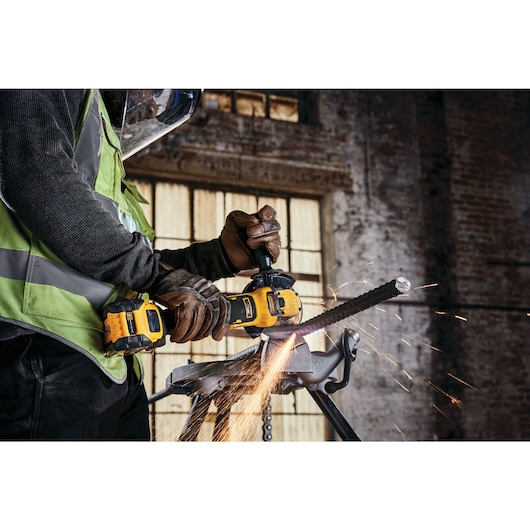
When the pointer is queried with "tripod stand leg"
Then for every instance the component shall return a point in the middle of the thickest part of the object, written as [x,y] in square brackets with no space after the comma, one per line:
[195,419]
[334,416]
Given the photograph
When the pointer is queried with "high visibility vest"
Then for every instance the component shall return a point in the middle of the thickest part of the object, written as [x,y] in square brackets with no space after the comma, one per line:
[39,291]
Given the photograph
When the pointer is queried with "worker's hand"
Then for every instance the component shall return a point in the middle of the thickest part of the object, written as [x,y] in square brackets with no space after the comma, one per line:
[244,233]
[199,308]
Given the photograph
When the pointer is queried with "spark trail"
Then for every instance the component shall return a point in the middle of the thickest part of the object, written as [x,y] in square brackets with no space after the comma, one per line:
[243,425]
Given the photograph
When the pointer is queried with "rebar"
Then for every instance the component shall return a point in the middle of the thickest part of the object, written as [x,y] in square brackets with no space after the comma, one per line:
[349,308]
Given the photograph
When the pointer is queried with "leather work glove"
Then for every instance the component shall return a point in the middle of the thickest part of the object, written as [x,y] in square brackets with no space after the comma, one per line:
[198,306]
[243,233]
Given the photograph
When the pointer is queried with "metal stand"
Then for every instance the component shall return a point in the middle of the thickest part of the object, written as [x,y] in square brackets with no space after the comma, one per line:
[224,382]
[334,416]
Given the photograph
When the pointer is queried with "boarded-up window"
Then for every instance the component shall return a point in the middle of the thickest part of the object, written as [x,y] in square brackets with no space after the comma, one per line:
[285,105]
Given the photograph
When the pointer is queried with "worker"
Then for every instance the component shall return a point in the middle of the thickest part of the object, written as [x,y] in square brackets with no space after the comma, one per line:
[73,238]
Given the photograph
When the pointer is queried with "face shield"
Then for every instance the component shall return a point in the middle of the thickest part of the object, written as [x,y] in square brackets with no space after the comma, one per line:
[149,114]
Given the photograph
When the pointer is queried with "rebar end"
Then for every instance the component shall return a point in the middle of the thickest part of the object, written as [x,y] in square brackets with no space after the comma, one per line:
[402,284]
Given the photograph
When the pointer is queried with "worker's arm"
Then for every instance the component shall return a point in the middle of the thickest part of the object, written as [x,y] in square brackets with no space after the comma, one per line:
[40,182]
[233,250]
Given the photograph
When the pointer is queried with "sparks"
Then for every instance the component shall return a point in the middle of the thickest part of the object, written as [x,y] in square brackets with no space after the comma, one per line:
[443,414]
[245,422]
[402,386]
[365,282]
[328,336]
[431,346]
[407,374]
[334,291]
[461,381]
[407,343]
[426,286]
[424,343]
[399,431]
[461,318]
[454,400]
[369,335]
[384,355]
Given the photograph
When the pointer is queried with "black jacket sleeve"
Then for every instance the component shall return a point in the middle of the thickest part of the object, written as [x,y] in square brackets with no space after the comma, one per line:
[41,184]
[206,259]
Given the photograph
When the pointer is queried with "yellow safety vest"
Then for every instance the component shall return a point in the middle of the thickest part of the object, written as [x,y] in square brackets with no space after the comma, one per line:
[39,291]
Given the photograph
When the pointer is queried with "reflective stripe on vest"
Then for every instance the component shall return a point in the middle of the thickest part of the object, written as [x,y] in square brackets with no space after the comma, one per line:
[14,265]
[88,142]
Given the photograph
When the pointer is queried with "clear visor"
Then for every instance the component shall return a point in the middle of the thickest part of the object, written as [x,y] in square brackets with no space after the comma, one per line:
[149,114]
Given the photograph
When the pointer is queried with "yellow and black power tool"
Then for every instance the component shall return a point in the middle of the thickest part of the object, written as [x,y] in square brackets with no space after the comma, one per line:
[268,300]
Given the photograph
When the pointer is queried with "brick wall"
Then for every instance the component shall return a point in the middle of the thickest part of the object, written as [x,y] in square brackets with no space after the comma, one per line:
[488,138]
[441,196]
[379,235]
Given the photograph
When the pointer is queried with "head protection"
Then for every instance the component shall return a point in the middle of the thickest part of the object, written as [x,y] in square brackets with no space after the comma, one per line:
[149,114]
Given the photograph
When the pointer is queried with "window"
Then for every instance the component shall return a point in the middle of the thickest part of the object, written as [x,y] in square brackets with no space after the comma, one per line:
[284,105]
[181,215]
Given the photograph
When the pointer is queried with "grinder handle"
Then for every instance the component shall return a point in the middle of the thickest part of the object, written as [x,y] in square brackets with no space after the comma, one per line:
[263,259]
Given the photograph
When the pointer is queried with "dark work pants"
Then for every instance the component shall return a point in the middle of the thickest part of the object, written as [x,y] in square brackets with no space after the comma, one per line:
[49,391]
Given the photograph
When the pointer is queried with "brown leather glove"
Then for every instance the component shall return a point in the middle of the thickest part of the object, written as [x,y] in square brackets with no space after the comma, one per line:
[243,233]
[198,306]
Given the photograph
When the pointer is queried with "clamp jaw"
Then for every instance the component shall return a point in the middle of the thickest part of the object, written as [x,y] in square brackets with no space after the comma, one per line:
[240,374]
[314,370]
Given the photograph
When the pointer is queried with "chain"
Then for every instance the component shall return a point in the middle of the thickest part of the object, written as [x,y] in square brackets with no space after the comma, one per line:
[267,417]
